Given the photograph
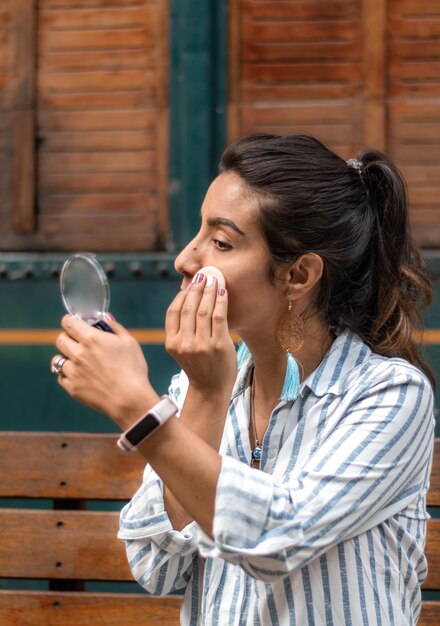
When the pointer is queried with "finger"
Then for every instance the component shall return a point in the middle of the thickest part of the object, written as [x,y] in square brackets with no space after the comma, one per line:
[190,306]
[65,376]
[172,319]
[54,360]
[80,330]
[117,328]
[57,364]
[66,384]
[76,329]
[67,369]
[220,329]
[66,345]
[205,310]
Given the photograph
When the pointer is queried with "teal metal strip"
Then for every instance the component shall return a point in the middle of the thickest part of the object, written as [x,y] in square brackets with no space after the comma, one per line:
[198,97]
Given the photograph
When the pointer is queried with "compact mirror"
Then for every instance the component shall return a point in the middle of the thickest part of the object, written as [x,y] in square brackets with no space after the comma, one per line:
[85,291]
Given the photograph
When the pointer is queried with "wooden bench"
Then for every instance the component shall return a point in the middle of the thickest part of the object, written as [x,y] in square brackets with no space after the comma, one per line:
[68,544]
[430,615]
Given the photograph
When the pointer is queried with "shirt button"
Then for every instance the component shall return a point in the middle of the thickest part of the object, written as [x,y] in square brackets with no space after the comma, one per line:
[271,454]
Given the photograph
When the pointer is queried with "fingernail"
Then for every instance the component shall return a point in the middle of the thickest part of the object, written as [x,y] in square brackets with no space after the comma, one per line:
[110,316]
[209,280]
[198,278]
[221,291]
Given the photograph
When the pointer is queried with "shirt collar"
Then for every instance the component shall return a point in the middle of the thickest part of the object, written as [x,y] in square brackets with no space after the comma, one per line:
[346,353]
[242,379]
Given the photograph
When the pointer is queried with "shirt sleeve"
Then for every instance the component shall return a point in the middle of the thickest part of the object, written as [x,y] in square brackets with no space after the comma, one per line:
[369,468]
[160,557]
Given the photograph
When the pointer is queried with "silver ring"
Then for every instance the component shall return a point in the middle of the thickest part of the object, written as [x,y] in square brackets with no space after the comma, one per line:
[56,366]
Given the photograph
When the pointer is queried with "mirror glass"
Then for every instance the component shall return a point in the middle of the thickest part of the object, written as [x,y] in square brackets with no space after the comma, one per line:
[84,288]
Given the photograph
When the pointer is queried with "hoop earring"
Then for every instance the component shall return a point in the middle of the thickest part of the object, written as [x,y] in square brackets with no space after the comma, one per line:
[289,331]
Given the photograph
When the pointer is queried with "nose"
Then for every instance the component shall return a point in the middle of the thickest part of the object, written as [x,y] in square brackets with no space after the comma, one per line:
[188,261]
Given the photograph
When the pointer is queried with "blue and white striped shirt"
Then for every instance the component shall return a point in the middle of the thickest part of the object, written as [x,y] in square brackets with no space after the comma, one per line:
[330,531]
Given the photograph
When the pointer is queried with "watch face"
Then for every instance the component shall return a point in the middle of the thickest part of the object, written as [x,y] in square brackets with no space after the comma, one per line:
[142,429]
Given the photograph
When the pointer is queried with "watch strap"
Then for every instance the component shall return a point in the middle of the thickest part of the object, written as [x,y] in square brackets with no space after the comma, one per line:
[147,424]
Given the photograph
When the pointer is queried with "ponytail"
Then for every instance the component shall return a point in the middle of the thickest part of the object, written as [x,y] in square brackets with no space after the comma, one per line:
[403,287]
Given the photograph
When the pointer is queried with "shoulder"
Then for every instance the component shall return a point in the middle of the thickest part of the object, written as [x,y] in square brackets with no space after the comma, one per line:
[351,368]
[380,372]
[356,376]
[391,391]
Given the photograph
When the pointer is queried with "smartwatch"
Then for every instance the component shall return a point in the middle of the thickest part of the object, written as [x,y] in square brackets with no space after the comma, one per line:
[147,424]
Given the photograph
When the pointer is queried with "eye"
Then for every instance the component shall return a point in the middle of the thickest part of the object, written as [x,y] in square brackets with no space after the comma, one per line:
[221,245]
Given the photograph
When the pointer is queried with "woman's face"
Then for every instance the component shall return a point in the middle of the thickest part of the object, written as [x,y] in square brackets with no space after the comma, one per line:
[230,238]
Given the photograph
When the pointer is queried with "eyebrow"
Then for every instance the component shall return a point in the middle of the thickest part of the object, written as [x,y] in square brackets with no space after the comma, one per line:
[222,221]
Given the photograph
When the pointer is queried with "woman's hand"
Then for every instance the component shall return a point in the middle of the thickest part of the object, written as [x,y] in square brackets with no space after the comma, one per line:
[197,337]
[106,371]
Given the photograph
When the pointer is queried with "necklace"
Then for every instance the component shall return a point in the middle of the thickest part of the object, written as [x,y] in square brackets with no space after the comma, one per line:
[256,452]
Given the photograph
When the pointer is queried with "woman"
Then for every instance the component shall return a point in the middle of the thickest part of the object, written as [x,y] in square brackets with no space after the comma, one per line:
[290,490]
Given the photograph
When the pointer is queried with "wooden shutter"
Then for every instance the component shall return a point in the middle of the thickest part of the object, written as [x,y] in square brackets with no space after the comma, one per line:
[17,160]
[353,73]
[414,108]
[297,66]
[101,120]
[6,61]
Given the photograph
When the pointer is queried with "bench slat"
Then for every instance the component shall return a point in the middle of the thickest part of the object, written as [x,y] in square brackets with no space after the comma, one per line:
[85,543]
[432,552]
[87,609]
[433,496]
[67,465]
[107,609]
[62,544]
[49,468]
[430,614]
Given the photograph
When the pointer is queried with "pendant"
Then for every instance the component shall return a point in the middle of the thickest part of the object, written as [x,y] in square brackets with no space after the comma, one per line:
[256,453]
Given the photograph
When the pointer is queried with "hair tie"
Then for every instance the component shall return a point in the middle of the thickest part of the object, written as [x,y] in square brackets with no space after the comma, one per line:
[357,165]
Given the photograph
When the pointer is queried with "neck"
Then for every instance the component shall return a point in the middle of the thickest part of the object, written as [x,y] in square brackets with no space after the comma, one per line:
[270,362]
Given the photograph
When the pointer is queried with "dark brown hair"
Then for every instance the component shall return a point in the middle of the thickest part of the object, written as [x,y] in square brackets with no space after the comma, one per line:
[375,282]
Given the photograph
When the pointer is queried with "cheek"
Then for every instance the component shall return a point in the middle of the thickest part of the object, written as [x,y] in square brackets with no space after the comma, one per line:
[248,292]
[245,275]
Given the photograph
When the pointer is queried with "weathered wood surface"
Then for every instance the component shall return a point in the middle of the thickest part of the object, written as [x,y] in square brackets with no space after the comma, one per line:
[68,545]
[67,465]
[91,609]
[22,104]
[101,92]
[291,64]
[79,545]
[433,497]
[430,615]
[433,555]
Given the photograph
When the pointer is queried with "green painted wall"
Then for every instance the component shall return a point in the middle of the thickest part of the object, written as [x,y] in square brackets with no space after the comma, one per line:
[198,101]
[31,399]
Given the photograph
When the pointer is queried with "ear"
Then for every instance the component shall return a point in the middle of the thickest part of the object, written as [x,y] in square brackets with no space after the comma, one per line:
[305,274]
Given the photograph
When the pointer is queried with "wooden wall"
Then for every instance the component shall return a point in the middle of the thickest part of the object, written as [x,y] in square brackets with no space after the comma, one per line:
[86,166]
[413,107]
[353,73]
[84,106]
